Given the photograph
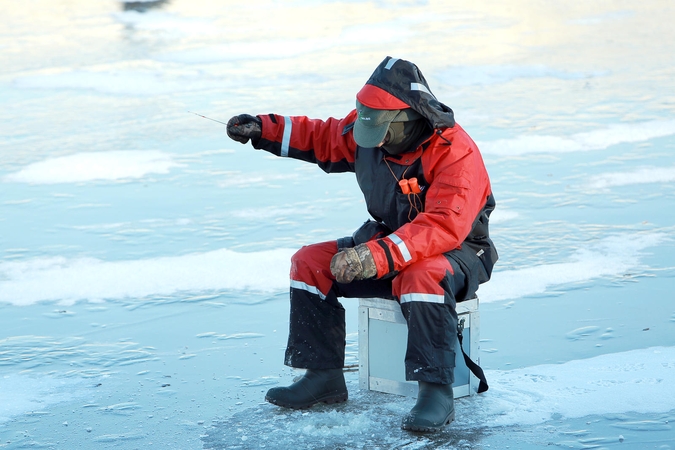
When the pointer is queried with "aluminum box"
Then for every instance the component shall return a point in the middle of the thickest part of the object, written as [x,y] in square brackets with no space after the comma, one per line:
[383,335]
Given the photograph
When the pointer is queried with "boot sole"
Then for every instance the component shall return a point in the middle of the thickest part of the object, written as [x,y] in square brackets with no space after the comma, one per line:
[329,400]
[427,429]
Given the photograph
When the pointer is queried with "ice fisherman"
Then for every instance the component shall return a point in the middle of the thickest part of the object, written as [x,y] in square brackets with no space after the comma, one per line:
[427,246]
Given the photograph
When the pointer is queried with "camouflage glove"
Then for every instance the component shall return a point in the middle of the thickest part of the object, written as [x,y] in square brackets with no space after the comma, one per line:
[353,264]
[243,127]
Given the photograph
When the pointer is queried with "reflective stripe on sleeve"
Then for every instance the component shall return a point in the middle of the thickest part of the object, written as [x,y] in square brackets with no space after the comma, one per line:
[401,246]
[428,298]
[306,287]
[390,63]
[286,140]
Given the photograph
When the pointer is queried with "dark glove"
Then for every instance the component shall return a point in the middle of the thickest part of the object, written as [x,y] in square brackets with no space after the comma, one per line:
[243,127]
[353,264]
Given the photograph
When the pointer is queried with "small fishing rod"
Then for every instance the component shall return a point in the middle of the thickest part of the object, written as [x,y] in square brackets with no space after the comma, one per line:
[207,117]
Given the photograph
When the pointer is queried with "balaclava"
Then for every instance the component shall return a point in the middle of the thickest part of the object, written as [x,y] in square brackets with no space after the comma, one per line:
[406,132]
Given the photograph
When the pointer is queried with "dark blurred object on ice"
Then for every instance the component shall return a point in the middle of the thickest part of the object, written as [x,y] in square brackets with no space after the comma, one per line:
[142,5]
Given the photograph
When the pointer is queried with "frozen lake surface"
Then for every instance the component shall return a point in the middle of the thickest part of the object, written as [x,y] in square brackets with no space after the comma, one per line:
[144,256]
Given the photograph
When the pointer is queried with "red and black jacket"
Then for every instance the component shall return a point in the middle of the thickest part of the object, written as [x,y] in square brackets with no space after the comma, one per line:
[450,212]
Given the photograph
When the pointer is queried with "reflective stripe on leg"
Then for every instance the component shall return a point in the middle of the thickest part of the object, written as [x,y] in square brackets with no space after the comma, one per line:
[422,280]
[310,268]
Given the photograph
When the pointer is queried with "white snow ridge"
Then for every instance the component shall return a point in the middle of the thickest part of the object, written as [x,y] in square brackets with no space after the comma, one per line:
[90,166]
[69,280]
[598,139]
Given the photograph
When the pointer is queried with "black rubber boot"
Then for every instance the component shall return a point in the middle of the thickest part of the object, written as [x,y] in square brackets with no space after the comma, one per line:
[326,385]
[434,409]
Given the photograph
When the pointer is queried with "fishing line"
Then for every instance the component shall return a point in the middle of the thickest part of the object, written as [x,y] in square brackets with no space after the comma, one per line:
[207,117]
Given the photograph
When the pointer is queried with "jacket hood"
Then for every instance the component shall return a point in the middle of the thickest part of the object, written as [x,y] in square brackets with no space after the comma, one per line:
[399,84]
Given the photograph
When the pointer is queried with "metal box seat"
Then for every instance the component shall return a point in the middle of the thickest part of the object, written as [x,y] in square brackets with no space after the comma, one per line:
[383,335]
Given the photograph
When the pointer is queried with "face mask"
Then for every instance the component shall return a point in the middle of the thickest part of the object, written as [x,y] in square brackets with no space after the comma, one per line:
[406,136]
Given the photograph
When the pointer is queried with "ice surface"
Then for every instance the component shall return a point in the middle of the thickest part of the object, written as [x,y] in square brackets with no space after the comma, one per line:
[165,22]
[608,386]
[609,16]
[121,81]
[69,280]
[492,74]
[388,33]
[144,257]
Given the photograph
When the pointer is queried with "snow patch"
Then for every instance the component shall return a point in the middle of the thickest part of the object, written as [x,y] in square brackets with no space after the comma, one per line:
[247,180]
[83,167]
[612,256]
[608,384]
[587,141]
[69,280]
[644,175]
[501,215]
[22,394]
